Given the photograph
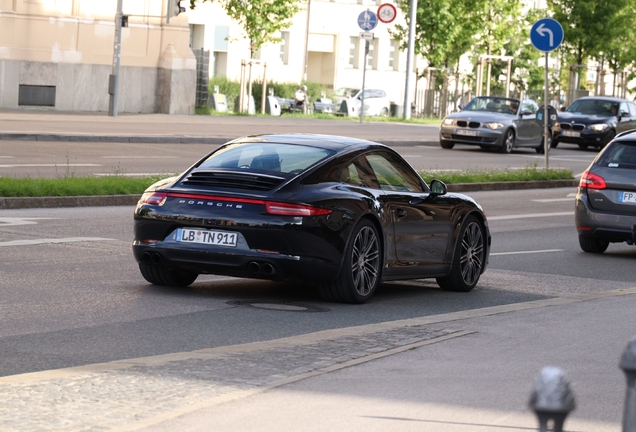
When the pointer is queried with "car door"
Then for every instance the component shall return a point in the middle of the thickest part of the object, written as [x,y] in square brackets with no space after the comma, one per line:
[421,221]
[626,120]
[528,130]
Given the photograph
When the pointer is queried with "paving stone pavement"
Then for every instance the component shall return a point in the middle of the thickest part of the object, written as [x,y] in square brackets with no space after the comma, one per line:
[127,394]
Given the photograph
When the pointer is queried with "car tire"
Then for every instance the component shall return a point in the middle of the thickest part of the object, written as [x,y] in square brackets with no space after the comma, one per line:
[384,112]
[541,148]
[468,258]
[508,142]
[446,145]
[610,137]
[361,267]
[593,244]
[583,146]
[554,144]
[159,275]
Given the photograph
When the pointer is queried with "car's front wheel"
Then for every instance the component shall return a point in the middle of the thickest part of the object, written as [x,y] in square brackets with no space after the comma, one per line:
[384,112]
[159,275]
[593,245]
[541,148]
[468,259]
[509,142]
[446,144]
[360,273]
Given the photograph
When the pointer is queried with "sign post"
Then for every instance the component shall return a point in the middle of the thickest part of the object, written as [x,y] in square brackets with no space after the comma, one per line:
[546,35]
[367,21]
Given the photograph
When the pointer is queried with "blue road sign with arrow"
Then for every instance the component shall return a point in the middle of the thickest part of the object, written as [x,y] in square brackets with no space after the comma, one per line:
[367,20]
[546,34]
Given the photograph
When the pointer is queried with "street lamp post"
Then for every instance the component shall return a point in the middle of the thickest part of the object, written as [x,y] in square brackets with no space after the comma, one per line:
[113,82]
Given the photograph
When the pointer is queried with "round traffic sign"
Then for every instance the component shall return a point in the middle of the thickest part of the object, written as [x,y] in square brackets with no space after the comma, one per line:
[387,12]
[546,34]
[367,20]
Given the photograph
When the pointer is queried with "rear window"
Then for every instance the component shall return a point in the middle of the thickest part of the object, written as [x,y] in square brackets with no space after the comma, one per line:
[259,156]
[619,155]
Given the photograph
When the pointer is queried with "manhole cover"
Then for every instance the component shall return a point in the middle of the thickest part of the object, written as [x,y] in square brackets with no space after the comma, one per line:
[281,306]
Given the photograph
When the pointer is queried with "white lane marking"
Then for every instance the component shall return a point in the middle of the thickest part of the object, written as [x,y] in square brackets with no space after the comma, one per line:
[7,157]
[527,252]
[7,221]
[411,156]
[565,159]
[140,157]
[49,165]
[52,241]
[529,215]
[547,200]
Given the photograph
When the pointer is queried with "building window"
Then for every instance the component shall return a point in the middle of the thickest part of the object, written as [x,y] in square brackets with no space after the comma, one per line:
[284,47]
[394,55]
[372,55]
[354,43]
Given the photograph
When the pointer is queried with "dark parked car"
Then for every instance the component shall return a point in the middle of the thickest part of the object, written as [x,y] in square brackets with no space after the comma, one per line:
[594,121]
[494,123]
[605,210]
[345,213]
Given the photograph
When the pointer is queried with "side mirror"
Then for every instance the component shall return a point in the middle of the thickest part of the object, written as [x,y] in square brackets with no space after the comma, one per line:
[438,187]
[563,108]
[461,106]
[625,114]
[525,113]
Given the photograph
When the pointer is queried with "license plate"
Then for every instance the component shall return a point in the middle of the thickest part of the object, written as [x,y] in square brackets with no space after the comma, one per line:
[571,134]
[627,197]
[217,238]
[466,132]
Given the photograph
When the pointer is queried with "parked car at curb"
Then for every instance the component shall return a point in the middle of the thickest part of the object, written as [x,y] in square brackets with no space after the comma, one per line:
[494,123]
[605,205]
[376,103]
[343,213]
[594,121]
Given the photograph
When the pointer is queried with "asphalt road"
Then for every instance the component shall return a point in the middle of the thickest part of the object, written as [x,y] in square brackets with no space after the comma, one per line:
[57,159]
[70,292]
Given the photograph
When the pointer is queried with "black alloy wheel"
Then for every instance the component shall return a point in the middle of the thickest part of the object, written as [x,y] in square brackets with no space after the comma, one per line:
[360,273]
[159,275]
[509,142]
[468,259]
[593,245]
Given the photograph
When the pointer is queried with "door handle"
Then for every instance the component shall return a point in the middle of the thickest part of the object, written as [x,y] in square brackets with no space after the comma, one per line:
[400,212]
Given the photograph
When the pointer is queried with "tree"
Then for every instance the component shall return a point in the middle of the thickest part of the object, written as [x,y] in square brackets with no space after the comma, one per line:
[261,19]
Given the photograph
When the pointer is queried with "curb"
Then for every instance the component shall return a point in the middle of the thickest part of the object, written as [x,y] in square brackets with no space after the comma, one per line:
[159,139]
[131,200]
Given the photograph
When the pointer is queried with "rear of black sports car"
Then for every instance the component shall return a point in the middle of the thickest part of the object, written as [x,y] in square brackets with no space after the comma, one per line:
[239,221]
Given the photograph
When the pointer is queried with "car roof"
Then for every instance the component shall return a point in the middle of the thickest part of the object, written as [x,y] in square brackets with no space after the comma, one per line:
[330,142]
[603,98]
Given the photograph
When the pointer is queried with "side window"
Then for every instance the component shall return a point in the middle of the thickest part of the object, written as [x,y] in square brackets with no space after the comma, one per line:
[359,173]
[632,109]
[623,108]
[393,174]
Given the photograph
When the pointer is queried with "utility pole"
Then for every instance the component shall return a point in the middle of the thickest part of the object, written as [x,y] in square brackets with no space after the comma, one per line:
[113,82]
[409,60]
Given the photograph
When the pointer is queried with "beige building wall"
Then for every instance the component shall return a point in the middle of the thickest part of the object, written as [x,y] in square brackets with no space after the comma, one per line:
[64,49]
[332,24]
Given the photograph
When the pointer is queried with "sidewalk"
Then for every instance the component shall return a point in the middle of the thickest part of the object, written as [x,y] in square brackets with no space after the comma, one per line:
[458,372]
[162,128]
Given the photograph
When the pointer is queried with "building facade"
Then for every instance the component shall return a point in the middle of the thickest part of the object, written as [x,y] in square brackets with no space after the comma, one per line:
[58,55]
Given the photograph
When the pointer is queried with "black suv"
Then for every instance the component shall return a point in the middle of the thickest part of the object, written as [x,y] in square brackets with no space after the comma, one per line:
[594,121]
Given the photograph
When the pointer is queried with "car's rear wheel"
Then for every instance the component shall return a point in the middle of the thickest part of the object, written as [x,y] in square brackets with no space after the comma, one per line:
[159,275]
[360,273]
[468,259]
[446,144]
[593,245]
[509,142]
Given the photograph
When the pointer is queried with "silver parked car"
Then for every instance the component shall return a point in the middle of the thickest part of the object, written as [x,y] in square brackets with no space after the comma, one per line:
[494,123]
[605,209]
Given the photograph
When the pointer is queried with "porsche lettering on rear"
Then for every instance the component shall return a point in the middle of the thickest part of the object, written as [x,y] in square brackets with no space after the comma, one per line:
[211,204]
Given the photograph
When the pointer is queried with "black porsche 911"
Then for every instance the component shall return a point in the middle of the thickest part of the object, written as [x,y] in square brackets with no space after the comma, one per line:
[343,213]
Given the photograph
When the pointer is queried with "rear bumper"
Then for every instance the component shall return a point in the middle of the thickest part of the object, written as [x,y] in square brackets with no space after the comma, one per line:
[608,226]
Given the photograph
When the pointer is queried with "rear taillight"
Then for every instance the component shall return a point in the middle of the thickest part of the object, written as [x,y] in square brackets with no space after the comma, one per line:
[592,181]
[153,198]
[284,209]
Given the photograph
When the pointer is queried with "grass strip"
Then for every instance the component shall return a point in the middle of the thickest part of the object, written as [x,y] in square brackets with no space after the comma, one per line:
[74,186]
[122,185]
[529,173]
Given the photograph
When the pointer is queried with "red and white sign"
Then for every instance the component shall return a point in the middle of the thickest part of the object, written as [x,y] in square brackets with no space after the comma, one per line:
[387,13]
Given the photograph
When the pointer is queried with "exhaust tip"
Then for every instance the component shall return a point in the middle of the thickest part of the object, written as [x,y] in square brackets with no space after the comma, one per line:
[145,258]
[268,269]
[155,258]
[254,267]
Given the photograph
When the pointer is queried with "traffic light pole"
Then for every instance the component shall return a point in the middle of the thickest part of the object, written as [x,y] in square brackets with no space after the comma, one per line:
[113,82]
